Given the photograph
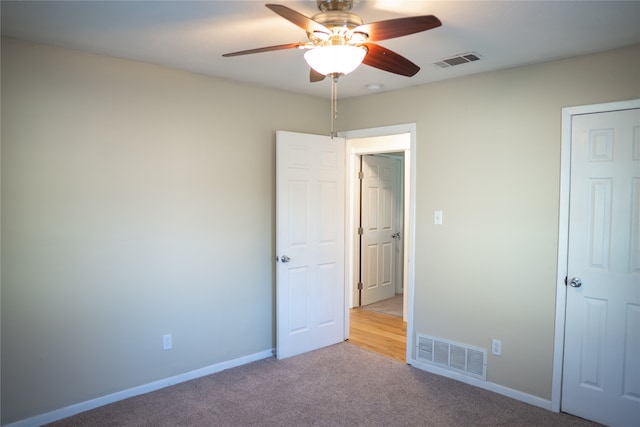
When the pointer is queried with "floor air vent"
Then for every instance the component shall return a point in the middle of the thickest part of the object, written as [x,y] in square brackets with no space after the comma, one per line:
[457,60]
[456,357]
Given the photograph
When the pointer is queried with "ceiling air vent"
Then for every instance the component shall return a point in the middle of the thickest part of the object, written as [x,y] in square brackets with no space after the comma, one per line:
[457,60]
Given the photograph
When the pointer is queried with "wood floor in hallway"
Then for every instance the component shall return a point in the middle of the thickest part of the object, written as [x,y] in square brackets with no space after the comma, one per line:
[380,333]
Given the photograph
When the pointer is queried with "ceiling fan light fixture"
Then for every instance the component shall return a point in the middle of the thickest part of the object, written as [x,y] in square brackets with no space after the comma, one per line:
[321,35]
[335,59]
[358,37]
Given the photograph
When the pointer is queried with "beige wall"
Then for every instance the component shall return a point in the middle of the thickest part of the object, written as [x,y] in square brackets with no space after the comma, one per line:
[488,156]
[139,200]
[136,201]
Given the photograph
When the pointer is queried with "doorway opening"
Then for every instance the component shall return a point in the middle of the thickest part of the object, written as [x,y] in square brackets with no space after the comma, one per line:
[399,142]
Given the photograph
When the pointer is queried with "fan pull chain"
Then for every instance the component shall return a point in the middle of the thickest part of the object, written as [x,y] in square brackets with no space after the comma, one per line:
[334,103]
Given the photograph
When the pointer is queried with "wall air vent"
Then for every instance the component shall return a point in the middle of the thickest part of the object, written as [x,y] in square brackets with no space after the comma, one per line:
[457,60]
[453,356]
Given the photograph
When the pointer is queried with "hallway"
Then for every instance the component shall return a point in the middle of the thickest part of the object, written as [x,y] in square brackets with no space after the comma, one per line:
[379,333]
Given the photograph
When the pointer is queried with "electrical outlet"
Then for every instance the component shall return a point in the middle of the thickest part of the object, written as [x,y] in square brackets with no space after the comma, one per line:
[496,347]
[167,343]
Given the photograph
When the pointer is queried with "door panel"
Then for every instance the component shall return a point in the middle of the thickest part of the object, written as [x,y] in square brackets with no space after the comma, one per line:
[379,210]
[601,370]
[310,234]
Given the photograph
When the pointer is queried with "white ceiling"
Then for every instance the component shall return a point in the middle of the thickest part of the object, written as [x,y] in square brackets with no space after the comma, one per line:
[192,35]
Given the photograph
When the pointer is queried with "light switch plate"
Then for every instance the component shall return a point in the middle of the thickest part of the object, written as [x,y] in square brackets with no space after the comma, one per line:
[437,217]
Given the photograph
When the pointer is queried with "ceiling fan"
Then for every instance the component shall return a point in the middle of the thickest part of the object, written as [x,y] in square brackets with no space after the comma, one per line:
[339,41]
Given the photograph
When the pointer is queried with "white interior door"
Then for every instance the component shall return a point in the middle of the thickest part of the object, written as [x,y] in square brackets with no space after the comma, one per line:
[379,223]
[601,368]
[310,242]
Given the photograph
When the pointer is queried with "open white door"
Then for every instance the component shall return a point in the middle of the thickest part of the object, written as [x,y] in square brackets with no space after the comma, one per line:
[601,370]
[379,234]
[310,202]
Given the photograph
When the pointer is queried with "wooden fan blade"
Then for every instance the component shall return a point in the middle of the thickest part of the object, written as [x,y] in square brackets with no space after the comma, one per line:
[315,76]
[387,60]
[304,22]
[264,49]
[384,30]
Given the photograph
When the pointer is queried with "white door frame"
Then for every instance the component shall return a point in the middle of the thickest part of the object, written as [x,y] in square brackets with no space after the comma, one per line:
[563,234]
[353,150]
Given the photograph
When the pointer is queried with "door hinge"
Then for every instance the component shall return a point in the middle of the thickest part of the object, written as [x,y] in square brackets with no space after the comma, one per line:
[360,286]
[360,230]
[360,175]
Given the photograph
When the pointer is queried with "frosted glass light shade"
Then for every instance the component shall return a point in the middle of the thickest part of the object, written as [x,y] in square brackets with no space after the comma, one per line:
[340,59]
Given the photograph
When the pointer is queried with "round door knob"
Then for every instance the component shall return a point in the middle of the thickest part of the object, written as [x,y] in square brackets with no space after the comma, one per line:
[285,258]
[575,282]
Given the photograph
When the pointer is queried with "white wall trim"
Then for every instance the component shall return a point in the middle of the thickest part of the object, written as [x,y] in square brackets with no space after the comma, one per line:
[563,235]
[69,411]
[352,148]
[486,385]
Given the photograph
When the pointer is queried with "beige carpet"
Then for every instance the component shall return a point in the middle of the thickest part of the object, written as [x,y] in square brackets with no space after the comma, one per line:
[392,306]
[341,385]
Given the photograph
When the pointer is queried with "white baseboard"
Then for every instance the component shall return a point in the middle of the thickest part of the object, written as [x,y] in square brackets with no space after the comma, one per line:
[496,388]
[69,411]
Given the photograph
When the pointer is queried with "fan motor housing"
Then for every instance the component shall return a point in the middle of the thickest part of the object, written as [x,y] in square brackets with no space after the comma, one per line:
[326,6]
[340,23]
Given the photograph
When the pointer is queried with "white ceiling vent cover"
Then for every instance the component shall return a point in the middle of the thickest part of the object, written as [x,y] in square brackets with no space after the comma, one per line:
[453,356]
[463,58]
